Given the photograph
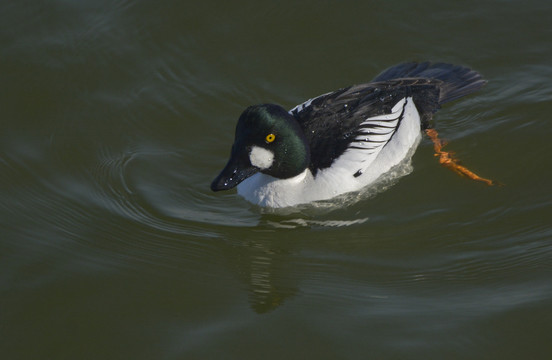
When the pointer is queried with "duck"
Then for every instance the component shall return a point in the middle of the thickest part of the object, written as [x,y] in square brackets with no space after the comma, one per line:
[344,140]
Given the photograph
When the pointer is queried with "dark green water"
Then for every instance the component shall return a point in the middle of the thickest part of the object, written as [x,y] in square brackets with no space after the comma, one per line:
[116,115]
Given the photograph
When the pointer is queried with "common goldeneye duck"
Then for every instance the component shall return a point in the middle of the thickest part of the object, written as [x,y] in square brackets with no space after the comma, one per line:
[344,140]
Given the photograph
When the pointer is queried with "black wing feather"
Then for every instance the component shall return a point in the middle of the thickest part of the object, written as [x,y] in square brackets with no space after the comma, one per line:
[457,81]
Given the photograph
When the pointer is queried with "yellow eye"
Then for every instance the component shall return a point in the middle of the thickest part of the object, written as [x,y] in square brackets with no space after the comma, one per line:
[270,138]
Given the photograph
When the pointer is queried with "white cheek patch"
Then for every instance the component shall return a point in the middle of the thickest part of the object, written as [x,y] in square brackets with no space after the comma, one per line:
[261,158]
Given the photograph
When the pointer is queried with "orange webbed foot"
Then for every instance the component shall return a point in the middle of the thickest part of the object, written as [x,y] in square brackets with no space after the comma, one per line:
[447,159]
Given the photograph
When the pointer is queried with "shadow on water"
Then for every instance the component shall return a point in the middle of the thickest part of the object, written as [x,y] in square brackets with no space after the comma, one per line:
[264,268]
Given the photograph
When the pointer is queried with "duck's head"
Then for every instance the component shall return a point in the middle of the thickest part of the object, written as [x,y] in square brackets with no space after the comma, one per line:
[268,139]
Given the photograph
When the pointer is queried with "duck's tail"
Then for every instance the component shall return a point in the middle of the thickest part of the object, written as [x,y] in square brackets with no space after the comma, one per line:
[456,80]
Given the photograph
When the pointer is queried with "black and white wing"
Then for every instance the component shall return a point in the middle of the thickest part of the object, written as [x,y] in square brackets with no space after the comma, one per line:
[360,119]
[363,119]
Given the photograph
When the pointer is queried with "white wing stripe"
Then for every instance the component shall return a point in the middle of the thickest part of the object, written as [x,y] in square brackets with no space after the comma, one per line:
[375,135]
[377,132]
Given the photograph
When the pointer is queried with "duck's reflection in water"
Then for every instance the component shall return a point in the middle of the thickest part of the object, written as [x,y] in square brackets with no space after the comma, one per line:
[266,267]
